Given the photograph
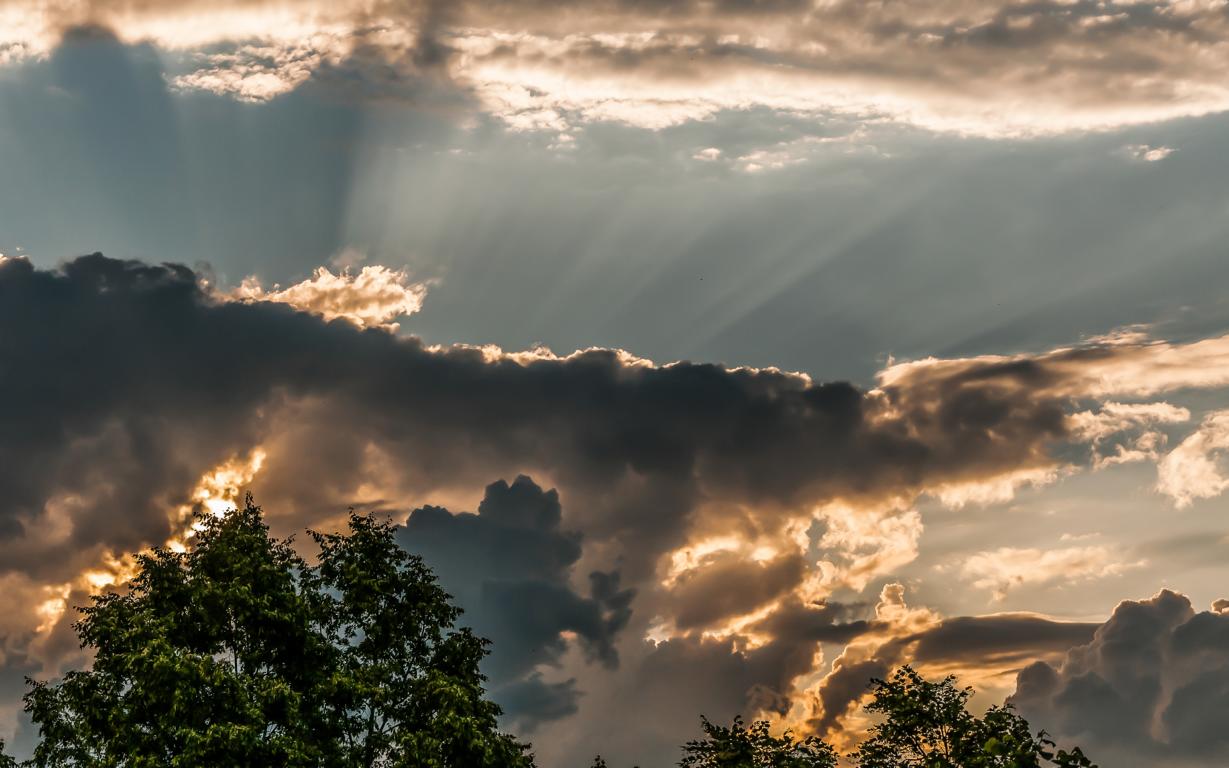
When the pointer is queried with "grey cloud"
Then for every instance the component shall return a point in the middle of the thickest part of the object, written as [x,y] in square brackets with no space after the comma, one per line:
[1151,687]
[510,566]
[732,586]
[664,687]
[999,639]
[847,684]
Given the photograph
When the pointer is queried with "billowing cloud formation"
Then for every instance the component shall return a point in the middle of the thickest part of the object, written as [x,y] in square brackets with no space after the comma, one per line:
[668,447]
[978,648]
[1150,688]
[946,64]
[747,509]
[510,566]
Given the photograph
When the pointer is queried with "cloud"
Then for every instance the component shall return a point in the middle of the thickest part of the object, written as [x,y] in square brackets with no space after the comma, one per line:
[1146,153]
[1005,568]
[743,510]
[978,649]
[140,381]
[1150,688]
[951,65]
[1130,429]
[1130,365]
[871,655]
[373,298]
[255,73]
[1190,471]
[862,544]
[509,567]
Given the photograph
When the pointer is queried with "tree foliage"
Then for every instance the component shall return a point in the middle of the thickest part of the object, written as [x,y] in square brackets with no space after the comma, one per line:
[753,746]
[237,652]
[927,724]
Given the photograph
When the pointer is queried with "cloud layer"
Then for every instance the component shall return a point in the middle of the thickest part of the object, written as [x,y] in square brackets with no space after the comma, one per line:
[1152,686]
[990,68]
[684,522]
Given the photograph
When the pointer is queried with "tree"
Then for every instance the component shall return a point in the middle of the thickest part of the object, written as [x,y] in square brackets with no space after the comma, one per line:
[927,725]
[238,652]
[404,690]
[753,746]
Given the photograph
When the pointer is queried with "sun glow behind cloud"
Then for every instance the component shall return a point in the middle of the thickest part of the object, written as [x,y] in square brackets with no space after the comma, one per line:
[374,297]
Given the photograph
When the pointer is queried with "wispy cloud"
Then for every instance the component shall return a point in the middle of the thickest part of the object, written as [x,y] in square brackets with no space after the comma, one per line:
[1003,569]
[1146,153]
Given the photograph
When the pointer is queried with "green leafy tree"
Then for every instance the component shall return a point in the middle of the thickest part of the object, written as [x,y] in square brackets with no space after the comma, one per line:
[927,724]
[239,653]
[753,746]
[405,690]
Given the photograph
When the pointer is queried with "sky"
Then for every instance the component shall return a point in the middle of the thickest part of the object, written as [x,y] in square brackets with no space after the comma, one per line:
[719,355]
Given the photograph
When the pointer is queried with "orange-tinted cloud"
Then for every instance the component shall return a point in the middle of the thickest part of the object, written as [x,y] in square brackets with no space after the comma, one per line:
[953,65]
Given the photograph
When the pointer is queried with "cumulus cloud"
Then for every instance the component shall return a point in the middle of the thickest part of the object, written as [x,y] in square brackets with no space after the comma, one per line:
[950,65]
[510,566]
[1191,470]
[372,298]
[1151,687]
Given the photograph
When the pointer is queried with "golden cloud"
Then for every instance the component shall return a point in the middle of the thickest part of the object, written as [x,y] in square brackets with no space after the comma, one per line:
[998,68]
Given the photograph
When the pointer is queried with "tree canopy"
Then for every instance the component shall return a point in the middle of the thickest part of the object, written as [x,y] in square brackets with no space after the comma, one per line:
[238,652]
[753,746]
[927,724]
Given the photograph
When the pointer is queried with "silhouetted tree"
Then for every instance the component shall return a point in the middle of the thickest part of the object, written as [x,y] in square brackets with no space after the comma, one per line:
[927,725]
[753,746]
[238,653]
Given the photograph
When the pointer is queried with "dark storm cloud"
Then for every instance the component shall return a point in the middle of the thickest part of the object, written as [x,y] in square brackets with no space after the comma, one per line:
[130,371]
[1150,688]
[125,381]
[510,567]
